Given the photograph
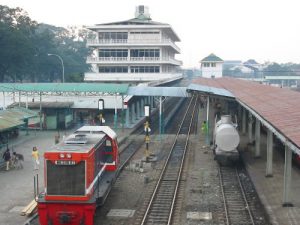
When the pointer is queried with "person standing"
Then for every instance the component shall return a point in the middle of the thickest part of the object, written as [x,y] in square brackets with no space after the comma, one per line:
[35,158]
[6,156]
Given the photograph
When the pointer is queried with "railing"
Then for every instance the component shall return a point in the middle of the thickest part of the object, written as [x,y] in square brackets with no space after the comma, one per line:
[133,59]
[132,41]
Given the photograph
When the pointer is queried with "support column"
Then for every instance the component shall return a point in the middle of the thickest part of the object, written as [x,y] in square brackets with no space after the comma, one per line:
[142,107]
[133,113]
[116,113]
[250,135]
[3,100]
[287,178]
[269,169]
[19,98]
[127,122]
[207,122]
[138,112]
[257,138]
[41,124]
[244,122]
[160,115]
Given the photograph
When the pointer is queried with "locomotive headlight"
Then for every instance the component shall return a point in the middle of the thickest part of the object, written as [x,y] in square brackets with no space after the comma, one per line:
[61,155]
[69,156]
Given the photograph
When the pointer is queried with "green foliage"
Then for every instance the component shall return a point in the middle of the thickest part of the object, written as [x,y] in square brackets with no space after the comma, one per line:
[25,45]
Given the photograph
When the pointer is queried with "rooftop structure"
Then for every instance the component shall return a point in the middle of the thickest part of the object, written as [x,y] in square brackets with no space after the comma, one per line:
[212,66]
[135,50]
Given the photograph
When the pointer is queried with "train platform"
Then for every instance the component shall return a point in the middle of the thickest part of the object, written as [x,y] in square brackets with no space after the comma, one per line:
[17,189]
[270,189]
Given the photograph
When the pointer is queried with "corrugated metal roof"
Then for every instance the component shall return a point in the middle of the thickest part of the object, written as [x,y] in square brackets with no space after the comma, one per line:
[211,90]
[279,107]
[65,87]
[158,91]
[36,105]
[14,117]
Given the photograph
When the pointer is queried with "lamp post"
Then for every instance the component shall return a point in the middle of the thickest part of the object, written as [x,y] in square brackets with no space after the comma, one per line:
[62,64]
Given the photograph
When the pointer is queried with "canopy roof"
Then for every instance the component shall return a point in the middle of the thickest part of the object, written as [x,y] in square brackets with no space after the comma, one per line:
[14,117]
[98,88]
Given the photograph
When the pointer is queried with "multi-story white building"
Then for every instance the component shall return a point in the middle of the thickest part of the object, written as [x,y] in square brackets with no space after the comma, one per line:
[135,50]
[212,66]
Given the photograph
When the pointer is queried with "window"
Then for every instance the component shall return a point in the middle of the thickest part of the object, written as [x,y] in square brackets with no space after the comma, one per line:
[144,69]
[144,53]
[113,53]
[213,64]
[113,69]
[113,35]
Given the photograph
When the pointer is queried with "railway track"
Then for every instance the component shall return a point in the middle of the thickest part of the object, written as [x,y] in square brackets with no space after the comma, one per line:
[161,205]
[236,207]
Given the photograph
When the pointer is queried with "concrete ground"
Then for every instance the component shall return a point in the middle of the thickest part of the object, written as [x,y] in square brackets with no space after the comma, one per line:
[270,189]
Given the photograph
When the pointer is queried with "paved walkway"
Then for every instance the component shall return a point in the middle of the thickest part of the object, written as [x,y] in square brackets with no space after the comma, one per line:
[270,189]
[17,185]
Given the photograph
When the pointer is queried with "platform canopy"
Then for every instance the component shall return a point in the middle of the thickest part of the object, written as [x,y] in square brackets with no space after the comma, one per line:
[60,88]
[278,109]
[210,90]
[158,91]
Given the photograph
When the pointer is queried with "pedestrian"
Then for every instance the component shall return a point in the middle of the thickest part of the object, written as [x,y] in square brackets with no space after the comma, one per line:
[17,160]
[35,158]
[204,128]
[6,156]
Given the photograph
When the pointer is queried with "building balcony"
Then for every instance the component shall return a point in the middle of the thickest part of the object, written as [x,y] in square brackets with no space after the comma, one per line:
[133,60]
[132,42]
[131,77]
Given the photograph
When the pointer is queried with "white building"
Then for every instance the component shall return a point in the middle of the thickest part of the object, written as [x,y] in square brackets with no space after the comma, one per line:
[135,50]
[212,66]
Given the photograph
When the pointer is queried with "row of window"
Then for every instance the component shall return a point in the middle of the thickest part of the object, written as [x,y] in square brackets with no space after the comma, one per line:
[133,69]
[208,64]
[133,53]
[122,35]
[113,53]
[113,35]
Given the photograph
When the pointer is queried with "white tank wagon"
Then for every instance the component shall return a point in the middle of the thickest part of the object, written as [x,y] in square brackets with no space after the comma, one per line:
[226,141]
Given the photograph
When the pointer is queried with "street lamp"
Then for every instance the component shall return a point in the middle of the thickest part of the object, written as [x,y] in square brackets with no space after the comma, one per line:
[62,64]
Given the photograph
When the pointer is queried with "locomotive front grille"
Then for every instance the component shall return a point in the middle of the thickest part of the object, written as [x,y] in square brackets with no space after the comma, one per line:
[66,180]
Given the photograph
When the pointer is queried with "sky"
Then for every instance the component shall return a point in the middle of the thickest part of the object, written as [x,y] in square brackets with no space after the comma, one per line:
[264,30]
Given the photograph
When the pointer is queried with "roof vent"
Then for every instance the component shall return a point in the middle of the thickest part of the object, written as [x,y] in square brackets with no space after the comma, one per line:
[142,12]
[78,139]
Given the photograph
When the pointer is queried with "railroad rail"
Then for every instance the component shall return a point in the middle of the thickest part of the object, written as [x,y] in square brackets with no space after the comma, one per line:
[161,204]
[236,207]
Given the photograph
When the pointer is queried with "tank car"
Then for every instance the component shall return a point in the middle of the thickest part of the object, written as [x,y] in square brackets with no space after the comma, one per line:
[78,176]
[226,141]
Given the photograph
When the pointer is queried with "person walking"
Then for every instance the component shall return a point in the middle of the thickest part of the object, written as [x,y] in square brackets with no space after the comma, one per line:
[204,128]
[6,156]
[35,158]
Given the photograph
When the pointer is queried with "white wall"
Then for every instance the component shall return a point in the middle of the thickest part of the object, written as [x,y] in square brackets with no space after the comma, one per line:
[209,72]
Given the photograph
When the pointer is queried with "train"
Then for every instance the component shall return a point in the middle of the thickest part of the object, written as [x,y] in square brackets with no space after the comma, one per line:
[79,173]
[226,140]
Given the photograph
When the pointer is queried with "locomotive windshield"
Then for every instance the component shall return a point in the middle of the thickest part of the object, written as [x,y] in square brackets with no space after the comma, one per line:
[65,179]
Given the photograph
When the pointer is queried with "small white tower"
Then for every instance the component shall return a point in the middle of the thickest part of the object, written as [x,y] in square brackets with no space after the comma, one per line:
[212,66]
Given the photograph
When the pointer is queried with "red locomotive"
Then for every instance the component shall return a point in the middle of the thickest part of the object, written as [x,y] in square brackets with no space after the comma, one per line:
[79,173]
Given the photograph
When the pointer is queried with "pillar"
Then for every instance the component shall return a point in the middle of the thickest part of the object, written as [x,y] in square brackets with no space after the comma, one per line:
[250,135]
[142,107]
[287,178]
[244,122]
[257,138]
[138,111]
[127,122]
[269,169]
[133,113]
